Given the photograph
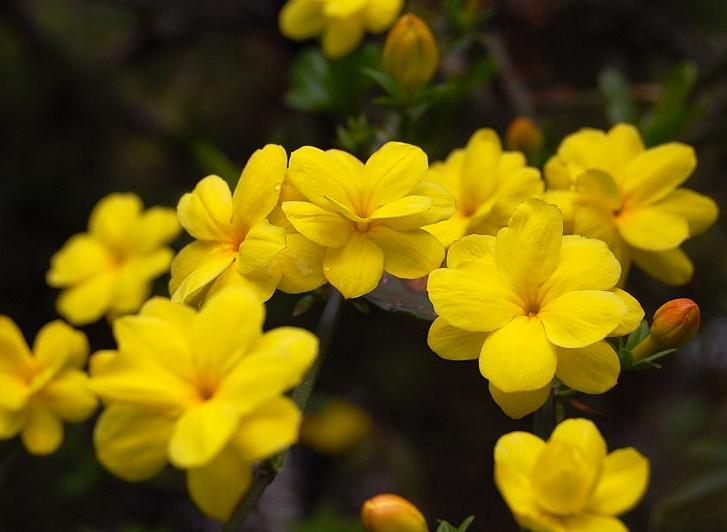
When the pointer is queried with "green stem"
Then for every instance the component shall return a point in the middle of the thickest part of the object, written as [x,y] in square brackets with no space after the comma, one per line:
[544,418]
[268,470]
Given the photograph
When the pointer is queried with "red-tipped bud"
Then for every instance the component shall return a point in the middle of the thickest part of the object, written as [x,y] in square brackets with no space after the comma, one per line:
[524,135]
[675,323]
[391,513]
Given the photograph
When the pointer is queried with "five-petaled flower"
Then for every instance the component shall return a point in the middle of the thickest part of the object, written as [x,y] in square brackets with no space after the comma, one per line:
[235,241]
[110,269]
[340,23]
[569,483]
[487,183]
[202,390]
[43,388]
[368,217]
[532,304]
[610,187]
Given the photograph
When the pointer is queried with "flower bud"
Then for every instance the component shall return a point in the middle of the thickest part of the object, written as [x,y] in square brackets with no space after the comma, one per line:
[391,513]
[410,53]
[675,323]
[524,135]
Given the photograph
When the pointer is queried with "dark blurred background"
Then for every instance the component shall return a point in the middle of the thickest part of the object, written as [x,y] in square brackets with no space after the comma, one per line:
[98,96]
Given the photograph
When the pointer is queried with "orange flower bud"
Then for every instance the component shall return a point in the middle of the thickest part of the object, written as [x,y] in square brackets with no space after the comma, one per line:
[391,513]
[675,323]
[524,135]
[410,52]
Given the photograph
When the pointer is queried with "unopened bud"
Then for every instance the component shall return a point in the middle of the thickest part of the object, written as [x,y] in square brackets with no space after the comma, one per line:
[391,513]
[410,53]
[675,323]
[524,135]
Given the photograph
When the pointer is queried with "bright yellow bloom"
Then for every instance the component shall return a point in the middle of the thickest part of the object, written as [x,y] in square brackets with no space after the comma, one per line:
[340,23]
[110,269]
[202,390]
[336,428]
[532,304]
[392,513]
[410,54]
[235,241]
[610,187]
[368,217]
[569,483]
[487,184]
[42,389]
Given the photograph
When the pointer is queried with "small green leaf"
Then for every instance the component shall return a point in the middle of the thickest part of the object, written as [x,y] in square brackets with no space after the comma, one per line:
[304,304]
[620,106]
[386,81]
[671,114]
[636,337]
[213,161]
[649,362]
[444,526]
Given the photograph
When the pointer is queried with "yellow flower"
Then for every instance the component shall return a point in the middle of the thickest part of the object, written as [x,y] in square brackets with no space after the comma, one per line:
[410,54]
[487,184]
[569,483]
[612,188]
[42,389]
[202,390]
[524,135]
[236,243]
[392,513]
[110,269]
[336,428]
[368,218]
[340,23]
[532,304]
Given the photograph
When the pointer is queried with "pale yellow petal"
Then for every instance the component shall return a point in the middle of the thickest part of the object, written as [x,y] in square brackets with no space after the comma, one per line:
[633,317]
[319,175]
[392,172]
[301,265]
[87,302]
[42,431]
[69,396]
[341,36]
[380,14]
[672,267]
[206,212]
[196,266]
[623,482]
[452,343]
[471,247]
[301,19]
[11,421]
[322,226]
[651,229]
[515,456]
[402,208]
[156,227]
[343,8]
[261,245]
[114,219]
[519,404]
[259,187]
[656,172]
[591,369]
[269,429]
[583,434]
[356,268]
[449,230]
[584,522]
[699,211]
[15,357]
[598,186]
[59,346]
[133,284]
[81,258]
[407,254]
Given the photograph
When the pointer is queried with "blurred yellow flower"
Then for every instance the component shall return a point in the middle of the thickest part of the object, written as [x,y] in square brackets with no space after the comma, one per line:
[569,483]
[202,390]
[532,304]
[392,513]
[42,389]
[487,184]
[610,187]
[410,54]
[235,241]
[110,269]
[336,428]
[368,217]
[340,23]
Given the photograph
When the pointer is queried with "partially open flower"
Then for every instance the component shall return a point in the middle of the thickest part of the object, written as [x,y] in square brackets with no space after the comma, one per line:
[675,322]
[391,513]
[410,53]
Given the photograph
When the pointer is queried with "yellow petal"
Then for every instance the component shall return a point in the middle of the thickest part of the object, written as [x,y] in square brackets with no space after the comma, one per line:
[515,456]
[528,249]
[16,391]
[259,187]
[81,258]
[442,208]
[261,245]
[581,318]
[196,266]
[318,174]
[579,151]
[87,302]
[322,226]
[356,268]
[449,230]
[656,172]
[599,186]
[481,159]
[452,343]
[562,479]
[341,36]
[591,369]
[131,442]
[401,208]
[652,229]
[392,172]
[69,396]
[133,283]
[301,19]
[471,247]
[114,219]
[472,297]
[301,265]
[14,352]
[699,211]
[518,357]
[583,434]
[633,317]
[269,429]
[410,254]
[156,227]
[623,482]
[593,523]
[672,267]
[218,486]
[519,404]
[624,144]
[202,432]
[10,423]
[228,324]
[380,14]
[42,431]
[343,8]
[584,264]
[206,212]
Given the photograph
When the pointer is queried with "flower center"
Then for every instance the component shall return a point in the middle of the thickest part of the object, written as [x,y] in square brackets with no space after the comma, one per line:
[362,227]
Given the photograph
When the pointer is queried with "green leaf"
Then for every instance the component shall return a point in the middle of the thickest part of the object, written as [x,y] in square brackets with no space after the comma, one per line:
[620,106]
[444,526]
[213,161]
[636,337]
[649,362]
[386,81]
[672,112]
[304,304]
[691,492]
